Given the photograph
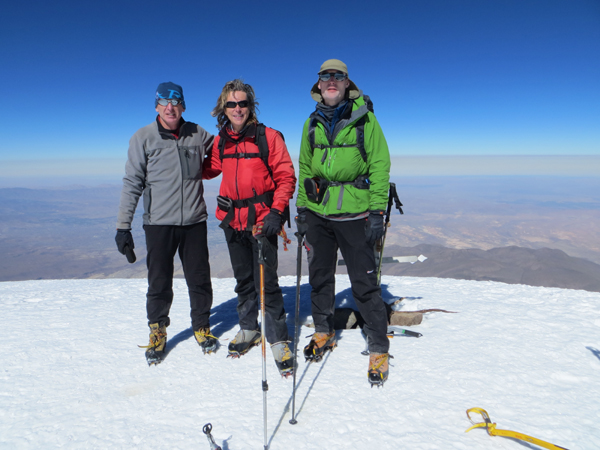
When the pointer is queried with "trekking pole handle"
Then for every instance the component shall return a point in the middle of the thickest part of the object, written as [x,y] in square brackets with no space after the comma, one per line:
[394,198]
[261,254]
[206,429]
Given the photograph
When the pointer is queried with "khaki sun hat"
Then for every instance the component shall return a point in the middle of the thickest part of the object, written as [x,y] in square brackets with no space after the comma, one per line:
[334,64]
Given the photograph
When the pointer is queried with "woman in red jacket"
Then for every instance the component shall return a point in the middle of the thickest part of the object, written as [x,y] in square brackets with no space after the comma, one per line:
[255,189]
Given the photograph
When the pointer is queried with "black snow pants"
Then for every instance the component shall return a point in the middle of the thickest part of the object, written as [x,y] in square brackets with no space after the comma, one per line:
[162,242]
[243,252]
[323,239]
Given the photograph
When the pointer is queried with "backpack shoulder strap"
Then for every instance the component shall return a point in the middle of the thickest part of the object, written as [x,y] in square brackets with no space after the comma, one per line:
[360,137]
[311,132]
[360,128]
[221,146]
[263,147]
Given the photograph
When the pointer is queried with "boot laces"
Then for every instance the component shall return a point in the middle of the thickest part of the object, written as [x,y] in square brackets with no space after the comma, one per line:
[379,361]
[204,333]
[320,339]
[157,338]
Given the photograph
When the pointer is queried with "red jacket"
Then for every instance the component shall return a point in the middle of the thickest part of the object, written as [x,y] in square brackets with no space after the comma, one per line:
[244,178]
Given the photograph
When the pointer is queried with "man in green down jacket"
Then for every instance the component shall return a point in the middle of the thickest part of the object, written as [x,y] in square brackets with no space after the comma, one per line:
[164,164]
[344,169]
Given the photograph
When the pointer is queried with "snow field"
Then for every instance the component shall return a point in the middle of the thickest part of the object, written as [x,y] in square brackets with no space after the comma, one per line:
[73,376]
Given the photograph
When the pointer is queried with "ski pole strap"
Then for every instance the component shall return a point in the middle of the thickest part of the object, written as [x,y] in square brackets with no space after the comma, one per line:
[493,431]
[266,198]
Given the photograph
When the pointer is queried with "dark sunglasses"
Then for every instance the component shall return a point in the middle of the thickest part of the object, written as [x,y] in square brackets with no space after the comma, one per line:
[338,76]
[242,104]
[172,101]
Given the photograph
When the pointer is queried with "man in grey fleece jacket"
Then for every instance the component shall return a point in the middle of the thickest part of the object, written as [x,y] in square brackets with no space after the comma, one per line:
[165,165]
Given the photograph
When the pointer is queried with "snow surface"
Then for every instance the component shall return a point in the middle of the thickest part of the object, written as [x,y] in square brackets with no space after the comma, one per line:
[73,376]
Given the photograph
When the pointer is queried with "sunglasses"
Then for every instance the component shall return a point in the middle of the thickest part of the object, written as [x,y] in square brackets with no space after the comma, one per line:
[338,76]
[172,101]
[242,104]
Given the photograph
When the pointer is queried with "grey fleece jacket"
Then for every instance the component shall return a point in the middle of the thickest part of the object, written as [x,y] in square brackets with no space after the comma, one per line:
[168,172]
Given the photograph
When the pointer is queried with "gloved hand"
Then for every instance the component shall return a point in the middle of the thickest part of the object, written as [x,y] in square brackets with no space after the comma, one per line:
[272,222]
[123,239]
[374,227]
[301,221]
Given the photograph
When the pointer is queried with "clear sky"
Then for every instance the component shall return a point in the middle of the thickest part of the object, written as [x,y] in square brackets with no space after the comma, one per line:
[447,77]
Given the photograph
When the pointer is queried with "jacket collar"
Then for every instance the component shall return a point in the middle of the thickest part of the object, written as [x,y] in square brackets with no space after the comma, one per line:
[169,134]
[249,131]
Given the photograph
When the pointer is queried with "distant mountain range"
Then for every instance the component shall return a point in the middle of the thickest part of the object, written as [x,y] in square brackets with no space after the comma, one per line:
[512,265]
[489,228]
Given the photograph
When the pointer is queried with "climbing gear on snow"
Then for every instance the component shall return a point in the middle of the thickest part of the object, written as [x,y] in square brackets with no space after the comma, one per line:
[318,345]
[206,429]
[206,341]
[493,431]
[284,359]
[378,369]
[243,341]
[155,352]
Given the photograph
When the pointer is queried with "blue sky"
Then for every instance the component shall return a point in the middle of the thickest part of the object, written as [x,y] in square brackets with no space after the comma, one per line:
[447,77]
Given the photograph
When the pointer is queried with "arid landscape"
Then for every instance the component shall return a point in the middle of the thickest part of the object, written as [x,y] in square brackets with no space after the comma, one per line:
[69,232]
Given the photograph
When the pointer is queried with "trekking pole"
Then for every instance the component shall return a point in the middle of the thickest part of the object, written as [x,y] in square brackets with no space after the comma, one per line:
[265,386]
[300,237]
[393,198]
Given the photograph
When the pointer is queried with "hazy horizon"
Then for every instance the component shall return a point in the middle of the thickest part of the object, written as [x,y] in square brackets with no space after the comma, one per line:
[98,171]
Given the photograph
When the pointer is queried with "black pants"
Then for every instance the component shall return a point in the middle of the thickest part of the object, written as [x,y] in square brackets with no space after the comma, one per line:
[162,242]
[322,241]
[243,252]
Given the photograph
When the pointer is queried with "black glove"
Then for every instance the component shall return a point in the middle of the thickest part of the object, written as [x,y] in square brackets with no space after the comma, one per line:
[124,239]
[301,221]
[272,223]
[374,227]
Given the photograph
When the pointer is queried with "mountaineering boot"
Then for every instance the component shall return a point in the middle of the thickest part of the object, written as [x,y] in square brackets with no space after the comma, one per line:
[206,341]
[318,345]
[378,368]
[243,341]
[284,358]
[155,350]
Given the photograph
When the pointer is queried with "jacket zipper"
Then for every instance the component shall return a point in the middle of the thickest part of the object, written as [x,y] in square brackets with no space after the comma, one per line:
[187,164]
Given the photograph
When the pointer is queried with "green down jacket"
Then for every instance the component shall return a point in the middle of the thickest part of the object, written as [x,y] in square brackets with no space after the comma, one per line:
[341,161]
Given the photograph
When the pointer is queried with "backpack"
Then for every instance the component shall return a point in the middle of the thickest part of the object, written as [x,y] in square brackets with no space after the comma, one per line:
[360,132]
[260,140]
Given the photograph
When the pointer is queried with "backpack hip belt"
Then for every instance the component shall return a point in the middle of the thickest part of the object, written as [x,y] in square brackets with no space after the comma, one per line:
[361,182]
[229,205]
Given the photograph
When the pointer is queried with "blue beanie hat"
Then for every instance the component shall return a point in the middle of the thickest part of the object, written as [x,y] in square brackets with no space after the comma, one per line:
[169,90]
